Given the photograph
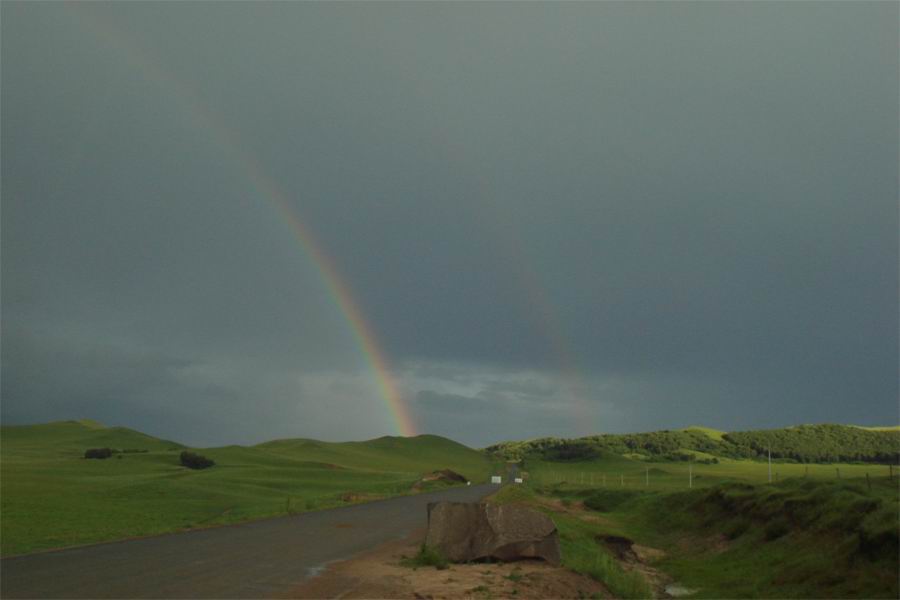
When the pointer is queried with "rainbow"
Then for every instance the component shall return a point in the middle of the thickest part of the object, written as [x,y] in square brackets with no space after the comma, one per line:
[268,190]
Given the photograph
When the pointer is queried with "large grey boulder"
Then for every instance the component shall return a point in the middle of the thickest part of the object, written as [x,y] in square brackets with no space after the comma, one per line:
[464,531]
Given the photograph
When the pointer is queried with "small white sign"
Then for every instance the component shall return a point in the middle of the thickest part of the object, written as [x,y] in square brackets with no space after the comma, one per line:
[496,479]
[518,480]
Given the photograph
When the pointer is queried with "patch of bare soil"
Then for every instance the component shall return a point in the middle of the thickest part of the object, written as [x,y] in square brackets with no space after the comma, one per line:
[379,574]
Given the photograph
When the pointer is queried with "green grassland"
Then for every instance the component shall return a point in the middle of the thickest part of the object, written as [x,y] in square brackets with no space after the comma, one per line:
[797,538]
[816,531]
[52,497]
[794,539]
[615,471]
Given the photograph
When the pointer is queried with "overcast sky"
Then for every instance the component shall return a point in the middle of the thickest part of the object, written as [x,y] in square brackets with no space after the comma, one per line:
[557,219]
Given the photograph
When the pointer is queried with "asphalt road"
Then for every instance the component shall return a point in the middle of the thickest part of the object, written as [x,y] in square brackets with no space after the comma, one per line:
[261,559]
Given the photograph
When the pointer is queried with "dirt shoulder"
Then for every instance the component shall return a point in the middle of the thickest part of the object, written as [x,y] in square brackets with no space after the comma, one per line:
[379,574]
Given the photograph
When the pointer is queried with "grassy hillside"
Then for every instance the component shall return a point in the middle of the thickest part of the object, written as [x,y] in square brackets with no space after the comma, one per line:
[805,443]
[65,437]
[388,454]
[799,538]
[794,539]
[611,470]
[713,434]
[53,497]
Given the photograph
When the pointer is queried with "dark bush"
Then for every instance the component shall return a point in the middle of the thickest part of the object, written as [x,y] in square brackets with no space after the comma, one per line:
[776,529]
[609,500]
[572,451]
[737,528]
[195,461]
[98,453]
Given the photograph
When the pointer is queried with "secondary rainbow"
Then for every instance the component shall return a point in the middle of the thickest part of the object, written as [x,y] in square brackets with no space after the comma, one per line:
[266,188]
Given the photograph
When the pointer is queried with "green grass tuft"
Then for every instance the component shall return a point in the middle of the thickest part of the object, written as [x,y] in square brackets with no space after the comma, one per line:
[426,557]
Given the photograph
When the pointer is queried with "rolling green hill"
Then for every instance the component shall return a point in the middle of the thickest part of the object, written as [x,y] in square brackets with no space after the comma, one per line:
[67,437]
[390,454]
[52,497]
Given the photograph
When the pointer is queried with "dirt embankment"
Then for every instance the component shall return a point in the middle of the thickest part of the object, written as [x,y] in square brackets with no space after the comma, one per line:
[379,574]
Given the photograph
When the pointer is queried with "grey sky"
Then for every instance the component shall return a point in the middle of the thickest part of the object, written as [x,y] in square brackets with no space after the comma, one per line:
[558,219]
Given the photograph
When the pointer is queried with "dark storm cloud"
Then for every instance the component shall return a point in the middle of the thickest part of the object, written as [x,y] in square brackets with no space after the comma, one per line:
[690,207]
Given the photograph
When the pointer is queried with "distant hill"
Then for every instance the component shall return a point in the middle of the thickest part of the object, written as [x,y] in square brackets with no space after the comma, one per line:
[63,437]
[803,443]
[417,454]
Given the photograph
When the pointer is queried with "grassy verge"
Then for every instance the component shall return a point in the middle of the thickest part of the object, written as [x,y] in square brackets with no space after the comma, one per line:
[799,538]
[795,539]
[578,544]
[582,554]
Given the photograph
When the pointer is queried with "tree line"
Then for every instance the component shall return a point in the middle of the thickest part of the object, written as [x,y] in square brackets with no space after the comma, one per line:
[804,443]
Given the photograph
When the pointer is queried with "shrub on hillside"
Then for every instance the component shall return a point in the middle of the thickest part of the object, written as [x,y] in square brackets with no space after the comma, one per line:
[98,453]
[195,461]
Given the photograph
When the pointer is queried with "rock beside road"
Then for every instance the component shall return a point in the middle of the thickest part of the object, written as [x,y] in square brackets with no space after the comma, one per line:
[464,531]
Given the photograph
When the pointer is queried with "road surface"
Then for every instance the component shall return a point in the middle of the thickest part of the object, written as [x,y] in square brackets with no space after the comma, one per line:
[262,559]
